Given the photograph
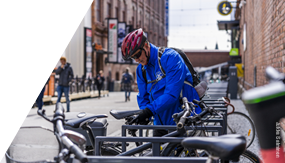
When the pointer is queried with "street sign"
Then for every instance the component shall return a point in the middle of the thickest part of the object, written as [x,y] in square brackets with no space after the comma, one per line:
[112,40]
[225,8]
[88,52]
[239,69]
[122,27]
[234,52]
[166,18]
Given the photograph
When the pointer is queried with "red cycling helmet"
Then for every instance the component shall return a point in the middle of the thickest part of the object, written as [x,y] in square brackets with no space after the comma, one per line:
[132,42]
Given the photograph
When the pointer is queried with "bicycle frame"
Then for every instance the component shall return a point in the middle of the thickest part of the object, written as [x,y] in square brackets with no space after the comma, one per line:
[166,127]
[155,141]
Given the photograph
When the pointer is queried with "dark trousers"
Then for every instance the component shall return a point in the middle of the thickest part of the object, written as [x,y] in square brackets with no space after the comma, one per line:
[99,87]
[39,100]
[65,90]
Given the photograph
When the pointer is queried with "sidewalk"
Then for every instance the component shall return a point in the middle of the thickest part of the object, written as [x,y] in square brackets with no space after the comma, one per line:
[115,101]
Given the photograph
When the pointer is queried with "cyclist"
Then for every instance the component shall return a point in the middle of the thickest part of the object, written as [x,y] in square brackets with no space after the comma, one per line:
[160,95]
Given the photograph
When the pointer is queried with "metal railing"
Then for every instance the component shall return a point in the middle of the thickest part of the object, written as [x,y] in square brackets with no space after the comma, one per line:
[80,85]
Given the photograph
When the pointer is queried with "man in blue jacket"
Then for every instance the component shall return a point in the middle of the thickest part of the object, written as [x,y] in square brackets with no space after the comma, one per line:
[160,95]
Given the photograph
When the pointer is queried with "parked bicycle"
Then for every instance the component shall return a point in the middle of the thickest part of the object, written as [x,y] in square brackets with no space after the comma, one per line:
[72,143]
[247,128]
[228,148]
[266,107]
[182,120]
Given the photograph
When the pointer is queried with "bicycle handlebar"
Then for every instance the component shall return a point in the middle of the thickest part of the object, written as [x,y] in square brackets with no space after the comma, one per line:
[58,121]
[59,110]
[182,120]
[184,115]
[200,103]
[274,75]
[266,107]
[69,144]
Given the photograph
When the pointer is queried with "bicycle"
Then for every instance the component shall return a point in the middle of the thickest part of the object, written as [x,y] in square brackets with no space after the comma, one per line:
[266,107]
[222,148]
[247,129]
[73,143]
[182,120]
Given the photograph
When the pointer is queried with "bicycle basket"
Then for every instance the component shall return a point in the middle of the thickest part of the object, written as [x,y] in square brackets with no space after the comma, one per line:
[33,144]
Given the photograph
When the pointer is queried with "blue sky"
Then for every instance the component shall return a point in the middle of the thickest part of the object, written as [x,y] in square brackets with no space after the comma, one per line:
[193,25]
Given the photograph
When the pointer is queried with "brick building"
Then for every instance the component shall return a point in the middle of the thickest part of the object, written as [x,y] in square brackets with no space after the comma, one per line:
[262,41]
[207,58]
[146,14]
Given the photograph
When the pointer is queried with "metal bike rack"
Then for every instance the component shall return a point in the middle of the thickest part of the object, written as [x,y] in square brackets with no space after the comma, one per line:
[124,159]
[165,127]
[154,140]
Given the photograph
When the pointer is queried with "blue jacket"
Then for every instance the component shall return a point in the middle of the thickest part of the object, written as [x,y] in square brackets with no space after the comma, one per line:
[163,100]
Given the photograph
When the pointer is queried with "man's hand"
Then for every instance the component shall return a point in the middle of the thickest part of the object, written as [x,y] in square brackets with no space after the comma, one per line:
[143,117]
[62,66]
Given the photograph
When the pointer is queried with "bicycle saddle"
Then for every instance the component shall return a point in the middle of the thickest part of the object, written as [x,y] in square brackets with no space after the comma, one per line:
[123,114]
[75,119]
[226,147]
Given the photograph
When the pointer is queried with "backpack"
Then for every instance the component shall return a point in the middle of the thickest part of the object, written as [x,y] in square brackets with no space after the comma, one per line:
[201,87]
[126,78]
[194,74]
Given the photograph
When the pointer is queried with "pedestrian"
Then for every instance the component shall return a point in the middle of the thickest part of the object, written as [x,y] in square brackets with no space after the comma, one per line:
[159,95]
[127,81]
[39,100]
[99,81]
[65,73]
[82,83]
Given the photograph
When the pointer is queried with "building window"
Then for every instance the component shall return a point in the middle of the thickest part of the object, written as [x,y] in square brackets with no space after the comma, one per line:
[133,21]
[109,10]
[98,10]
[117,76]
[117,13]
[134,15]
[124,16]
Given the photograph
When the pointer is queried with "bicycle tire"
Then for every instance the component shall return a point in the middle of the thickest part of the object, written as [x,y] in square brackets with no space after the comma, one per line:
[171,148]
[250,157]
[235,128]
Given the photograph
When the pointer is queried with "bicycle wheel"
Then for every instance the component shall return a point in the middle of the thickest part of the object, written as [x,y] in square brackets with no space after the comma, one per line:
[239,123]
[248,157]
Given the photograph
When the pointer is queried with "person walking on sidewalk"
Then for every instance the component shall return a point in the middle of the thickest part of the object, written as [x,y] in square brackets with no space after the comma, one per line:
[99,81]
[159,95]
[127,81]
[39,100]
[65,73]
